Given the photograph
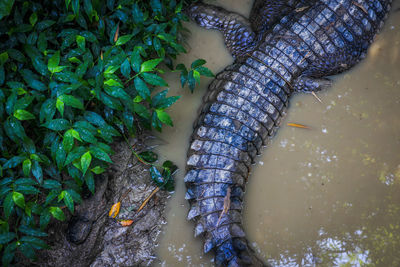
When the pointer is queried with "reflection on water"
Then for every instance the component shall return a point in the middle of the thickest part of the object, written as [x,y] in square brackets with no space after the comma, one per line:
[327,196]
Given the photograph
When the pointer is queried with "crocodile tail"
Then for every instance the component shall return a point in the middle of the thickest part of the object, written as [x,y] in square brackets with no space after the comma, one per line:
[218,223]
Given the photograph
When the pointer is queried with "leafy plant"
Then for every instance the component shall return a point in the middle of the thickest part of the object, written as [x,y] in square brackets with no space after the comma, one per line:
[75,75]
[192,76]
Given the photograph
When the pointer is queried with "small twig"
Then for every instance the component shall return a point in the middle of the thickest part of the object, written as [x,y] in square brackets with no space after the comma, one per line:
[125,194]
[227,205]
[361,7]
[147,199]
[315,95]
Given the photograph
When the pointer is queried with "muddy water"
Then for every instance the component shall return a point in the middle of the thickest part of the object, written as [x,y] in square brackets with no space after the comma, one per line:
[324,196]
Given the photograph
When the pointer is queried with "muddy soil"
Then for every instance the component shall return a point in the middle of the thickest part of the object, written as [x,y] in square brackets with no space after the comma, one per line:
[91,238]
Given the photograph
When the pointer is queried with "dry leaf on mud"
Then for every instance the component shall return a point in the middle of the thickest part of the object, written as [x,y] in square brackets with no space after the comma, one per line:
[126,222]
[114,210]
[298,125]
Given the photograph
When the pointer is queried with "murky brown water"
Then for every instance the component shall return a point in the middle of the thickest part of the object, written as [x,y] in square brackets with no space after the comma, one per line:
[327,196]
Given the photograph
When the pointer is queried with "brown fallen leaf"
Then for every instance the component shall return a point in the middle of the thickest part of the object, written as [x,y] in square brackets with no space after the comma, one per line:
[126,222]
[227,204]
[298,125]
[101,55]
[116,33]
[114,210]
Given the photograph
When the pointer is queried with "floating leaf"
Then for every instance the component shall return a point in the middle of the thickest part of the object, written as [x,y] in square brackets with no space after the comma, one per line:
[298,125]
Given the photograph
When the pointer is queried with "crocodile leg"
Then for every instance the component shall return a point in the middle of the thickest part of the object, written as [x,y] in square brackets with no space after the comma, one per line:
[239,37]
[266,13]
[313,80]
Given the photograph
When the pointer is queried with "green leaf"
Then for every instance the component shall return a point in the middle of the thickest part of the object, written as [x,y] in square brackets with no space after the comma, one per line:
[97,170]
[47,110]
[71,101]
[8,205]
[153,79]
[19,199]
[164,117]
[80,41]
[37,171]
[28,250]
[9,251]
[126,68]
[60,106]
[149,156]
[68,140]
[31,231]
[23,115]
[69,202]
[54,61]
[112,82]
[89,180]
[141,110]
[7,237]
[198,63]
[51,184]
[149,65]
[33,19]
[57,213]
[5,7]
[136,60]
[205,71]
[26,167]
[124,39]
[141,88]
[86,159]
[3,58]
[57,125]
[99,154]
[156,176]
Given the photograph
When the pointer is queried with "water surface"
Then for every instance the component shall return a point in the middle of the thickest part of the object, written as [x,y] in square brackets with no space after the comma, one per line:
[326,196]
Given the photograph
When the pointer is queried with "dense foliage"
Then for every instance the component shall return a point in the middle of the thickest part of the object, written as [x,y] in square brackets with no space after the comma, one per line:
[74,75]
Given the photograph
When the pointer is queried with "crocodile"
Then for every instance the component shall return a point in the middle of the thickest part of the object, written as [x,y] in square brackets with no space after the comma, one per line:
[286,47]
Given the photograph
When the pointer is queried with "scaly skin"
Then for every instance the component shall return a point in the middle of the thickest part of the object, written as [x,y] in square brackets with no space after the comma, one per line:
[245,103]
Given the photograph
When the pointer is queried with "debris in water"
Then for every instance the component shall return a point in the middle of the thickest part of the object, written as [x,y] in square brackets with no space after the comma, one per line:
[298,125]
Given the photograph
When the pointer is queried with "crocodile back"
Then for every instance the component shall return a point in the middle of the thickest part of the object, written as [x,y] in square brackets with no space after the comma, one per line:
[245,103]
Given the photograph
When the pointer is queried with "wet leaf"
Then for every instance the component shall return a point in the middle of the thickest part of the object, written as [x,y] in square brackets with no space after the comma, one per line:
[86,159]
[19,199]
[53,62]
[23,115]
[149,65]
[148,156]
[57,213]
[114,210]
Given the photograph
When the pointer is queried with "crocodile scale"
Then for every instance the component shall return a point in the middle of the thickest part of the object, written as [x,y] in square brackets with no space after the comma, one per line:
[287,46]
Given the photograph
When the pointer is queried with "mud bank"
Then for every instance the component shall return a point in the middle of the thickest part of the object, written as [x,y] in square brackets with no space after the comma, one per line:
[91,238]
